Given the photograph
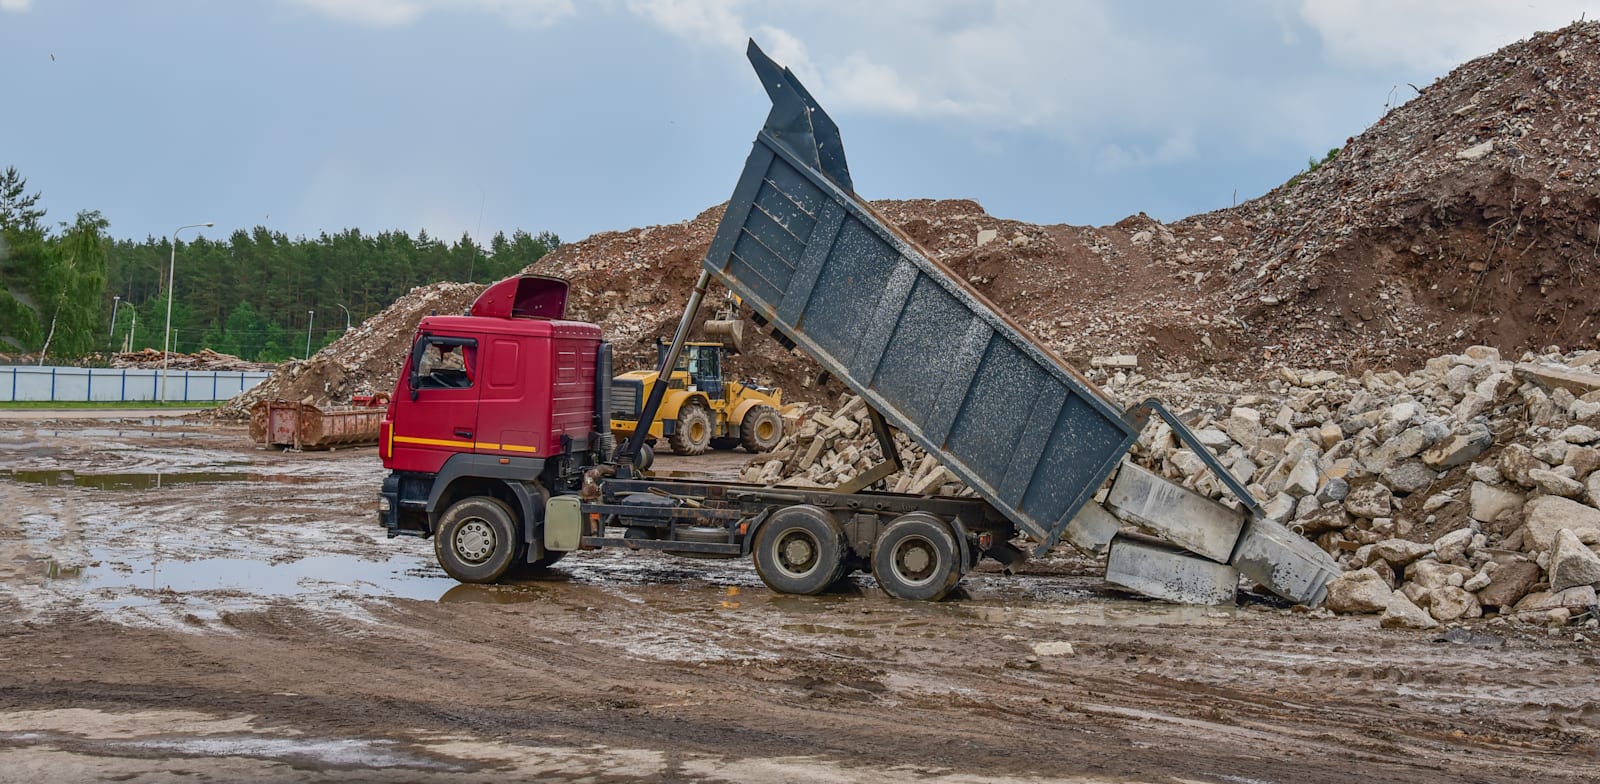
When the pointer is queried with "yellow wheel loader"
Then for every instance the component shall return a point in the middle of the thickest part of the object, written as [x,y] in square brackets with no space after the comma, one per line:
[700,409]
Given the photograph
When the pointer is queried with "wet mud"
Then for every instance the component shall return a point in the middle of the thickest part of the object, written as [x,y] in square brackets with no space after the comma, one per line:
[178,605]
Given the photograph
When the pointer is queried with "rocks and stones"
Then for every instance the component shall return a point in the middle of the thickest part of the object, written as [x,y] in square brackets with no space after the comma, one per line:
[1489,504]
[1409,477]
[1459,448]
[1400,552]
[1476,151]
[1360,591]
[1451,603]
[1551,377]
[1516,460]
[1401,613]
[1432,574]
[1509,584]
[1572,564]
[1547,515]
[1555,483]
[1453,546]
[1371,501]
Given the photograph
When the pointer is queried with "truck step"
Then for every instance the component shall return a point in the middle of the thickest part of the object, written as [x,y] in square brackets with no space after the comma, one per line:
[1176,514]
[1162,571]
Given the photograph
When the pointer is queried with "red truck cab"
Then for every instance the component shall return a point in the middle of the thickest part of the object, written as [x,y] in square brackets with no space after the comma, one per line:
[498,405]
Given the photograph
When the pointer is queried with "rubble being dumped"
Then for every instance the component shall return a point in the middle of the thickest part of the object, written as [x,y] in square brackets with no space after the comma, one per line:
[364,361]
[1466,487]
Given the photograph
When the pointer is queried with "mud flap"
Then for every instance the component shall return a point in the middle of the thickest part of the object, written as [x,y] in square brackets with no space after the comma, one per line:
[563,523]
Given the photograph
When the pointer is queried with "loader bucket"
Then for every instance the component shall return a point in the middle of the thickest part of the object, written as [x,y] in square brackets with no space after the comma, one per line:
[729,332]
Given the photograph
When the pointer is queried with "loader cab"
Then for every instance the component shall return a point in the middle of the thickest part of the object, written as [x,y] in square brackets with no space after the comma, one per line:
[703,363]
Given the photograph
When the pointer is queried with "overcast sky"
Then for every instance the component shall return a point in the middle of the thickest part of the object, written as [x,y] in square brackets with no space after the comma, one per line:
[580,116]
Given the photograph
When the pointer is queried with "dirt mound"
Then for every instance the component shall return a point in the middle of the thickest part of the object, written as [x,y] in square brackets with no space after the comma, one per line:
[365,360]
[1469,214]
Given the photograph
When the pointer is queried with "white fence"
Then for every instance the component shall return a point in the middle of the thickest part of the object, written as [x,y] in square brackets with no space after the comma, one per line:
[75,384]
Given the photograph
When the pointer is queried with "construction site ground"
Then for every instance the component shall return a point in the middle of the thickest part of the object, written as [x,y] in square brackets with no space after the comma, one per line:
[181,606]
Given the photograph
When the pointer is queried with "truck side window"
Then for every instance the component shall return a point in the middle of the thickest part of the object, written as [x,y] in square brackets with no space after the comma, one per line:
[445,366]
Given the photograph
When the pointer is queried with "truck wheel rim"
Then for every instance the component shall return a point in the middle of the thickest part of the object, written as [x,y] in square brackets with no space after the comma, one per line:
[796,552]
[474,541]
[916,560]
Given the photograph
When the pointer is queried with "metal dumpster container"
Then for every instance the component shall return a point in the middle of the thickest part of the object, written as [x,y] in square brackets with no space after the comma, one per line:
[282,423]
[939,361]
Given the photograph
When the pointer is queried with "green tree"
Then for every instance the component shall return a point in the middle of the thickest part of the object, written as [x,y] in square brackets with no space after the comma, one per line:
[71,291]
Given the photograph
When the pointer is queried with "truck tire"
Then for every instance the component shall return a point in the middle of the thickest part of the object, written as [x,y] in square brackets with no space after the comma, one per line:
[916,558]
[761,429]
[799,550]
[692,435]
[477,539]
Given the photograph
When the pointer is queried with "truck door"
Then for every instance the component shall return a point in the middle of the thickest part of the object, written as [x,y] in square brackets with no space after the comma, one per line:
[510,420]
[438,415]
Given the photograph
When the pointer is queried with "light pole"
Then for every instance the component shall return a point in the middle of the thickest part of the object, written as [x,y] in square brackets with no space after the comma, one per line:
[115,300]
[172,268]
[346,317]
[311,317]
[133,328]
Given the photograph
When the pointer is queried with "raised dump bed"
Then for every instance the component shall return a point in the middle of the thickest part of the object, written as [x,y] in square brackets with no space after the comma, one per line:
[932,355]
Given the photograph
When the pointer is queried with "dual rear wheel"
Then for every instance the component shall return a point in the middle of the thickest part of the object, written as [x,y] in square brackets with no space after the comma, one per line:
[802,550]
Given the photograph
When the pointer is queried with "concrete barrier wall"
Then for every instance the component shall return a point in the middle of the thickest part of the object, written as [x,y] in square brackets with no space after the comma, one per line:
[75,384]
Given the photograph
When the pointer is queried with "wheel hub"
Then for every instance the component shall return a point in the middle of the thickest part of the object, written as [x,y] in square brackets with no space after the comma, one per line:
[915,560]
[474,541]
[796,552]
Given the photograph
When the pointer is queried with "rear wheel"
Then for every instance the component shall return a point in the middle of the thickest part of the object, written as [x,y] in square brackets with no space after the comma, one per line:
[916,558]
[476,541]
[800,550]
[761,429]
[692,435]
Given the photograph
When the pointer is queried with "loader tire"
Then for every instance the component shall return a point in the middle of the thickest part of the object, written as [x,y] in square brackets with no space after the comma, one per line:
[477,540]
[761,429]
[692,435]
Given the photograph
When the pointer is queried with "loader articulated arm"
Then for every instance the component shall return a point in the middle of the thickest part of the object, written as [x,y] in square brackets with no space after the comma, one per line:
[1139,415]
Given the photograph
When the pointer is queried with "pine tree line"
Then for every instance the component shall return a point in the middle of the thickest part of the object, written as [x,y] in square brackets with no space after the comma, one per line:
[253,294]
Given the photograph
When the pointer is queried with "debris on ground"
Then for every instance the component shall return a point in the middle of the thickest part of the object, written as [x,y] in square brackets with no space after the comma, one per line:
[204,359]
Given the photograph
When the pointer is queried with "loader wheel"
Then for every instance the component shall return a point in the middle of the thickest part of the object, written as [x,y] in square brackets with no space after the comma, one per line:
[761,429]
[916,557]
[800,549]
[477,540]
[693,432]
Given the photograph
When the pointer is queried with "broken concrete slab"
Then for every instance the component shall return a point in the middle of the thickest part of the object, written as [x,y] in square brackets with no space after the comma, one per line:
[1285,563]
[1176,514]
[1162,571]
[1092,529]
[1552,378]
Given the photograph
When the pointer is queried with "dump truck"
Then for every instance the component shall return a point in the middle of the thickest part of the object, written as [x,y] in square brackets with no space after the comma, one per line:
[520,467]
[702,409]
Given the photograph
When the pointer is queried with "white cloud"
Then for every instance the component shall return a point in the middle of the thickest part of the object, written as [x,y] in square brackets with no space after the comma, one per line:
[712,21]
[1174,149]
[15,5]
[394,13]
[1431,35]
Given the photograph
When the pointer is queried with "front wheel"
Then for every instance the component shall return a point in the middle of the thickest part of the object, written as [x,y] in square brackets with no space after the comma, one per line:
[800,549]
[476,541]
[692,433]
[916,558]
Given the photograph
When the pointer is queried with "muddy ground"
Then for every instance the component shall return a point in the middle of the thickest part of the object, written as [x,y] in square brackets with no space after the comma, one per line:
[176,605]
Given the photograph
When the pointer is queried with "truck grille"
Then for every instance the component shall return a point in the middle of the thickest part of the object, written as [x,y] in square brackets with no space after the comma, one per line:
[625,398]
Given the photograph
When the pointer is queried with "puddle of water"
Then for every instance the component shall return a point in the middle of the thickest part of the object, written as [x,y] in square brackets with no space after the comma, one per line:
[319,752]
[317,574]
[143,480]
[106,432]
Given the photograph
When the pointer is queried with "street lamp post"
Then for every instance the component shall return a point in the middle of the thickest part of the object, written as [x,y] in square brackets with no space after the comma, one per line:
[116,299]
[311,317]
[133,328]
[172,268]
[346,317]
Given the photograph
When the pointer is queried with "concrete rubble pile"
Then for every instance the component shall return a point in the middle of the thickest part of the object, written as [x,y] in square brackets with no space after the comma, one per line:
[1467,487]
[365,360]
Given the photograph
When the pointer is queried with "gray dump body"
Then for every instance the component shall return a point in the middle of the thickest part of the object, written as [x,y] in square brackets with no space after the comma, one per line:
[939,362]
